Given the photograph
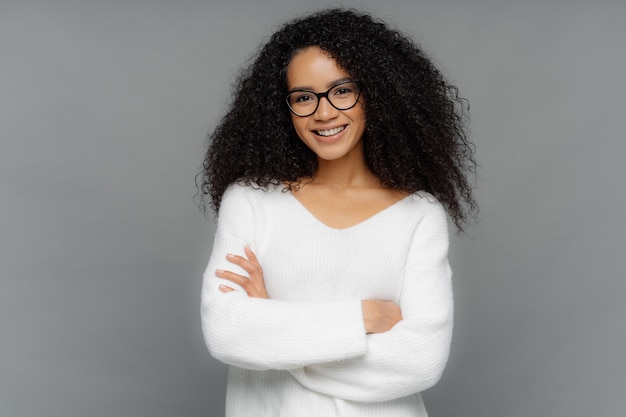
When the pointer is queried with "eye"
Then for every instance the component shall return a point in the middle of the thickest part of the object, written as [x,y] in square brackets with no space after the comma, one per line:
[344,90]
[301,97]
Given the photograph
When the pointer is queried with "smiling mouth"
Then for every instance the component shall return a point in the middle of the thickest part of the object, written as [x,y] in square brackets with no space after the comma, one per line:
[331,132]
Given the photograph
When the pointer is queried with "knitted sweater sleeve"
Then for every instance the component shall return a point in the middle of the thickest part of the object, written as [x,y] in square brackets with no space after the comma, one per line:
[260,334]
[412,355]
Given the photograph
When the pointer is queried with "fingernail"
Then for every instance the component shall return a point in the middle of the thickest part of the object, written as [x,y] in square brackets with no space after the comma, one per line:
[219,271]
[229,256]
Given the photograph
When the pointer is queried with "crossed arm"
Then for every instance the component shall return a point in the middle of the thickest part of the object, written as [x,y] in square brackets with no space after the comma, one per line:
[360,350]
[379,316]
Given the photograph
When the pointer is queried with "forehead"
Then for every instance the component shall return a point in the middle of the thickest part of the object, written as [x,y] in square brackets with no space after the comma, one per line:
[313,68]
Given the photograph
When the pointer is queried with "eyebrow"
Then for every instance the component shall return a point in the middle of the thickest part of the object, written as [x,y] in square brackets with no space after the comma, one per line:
[328,85]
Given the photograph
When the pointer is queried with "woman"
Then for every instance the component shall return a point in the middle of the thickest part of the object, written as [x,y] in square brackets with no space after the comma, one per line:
[328,290]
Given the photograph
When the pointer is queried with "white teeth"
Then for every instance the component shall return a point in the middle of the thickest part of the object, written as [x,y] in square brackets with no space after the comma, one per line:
[331,132]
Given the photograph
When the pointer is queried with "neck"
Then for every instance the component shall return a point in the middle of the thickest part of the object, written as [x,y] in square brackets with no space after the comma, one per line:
[350,171]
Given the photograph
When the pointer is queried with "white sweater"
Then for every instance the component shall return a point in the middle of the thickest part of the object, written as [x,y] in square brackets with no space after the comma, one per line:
[304,352]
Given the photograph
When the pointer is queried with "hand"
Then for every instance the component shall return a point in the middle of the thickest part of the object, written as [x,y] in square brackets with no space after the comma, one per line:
[380,316]
[253,284]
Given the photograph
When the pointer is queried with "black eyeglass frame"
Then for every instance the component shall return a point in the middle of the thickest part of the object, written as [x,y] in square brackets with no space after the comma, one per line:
[325,94]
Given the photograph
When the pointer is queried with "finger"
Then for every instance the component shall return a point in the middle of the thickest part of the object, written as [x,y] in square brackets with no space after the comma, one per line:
[254,261]
[224,288]
[251,255]
[244,282]
[252,268]
[232,277]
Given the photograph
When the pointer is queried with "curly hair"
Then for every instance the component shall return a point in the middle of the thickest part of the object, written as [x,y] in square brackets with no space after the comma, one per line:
[415,120]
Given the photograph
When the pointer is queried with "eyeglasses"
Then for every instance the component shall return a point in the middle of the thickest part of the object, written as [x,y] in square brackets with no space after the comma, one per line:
[342,96]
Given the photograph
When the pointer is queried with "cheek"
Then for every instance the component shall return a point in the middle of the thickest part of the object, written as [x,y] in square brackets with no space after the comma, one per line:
[361,108]
[299,124]
[358,115]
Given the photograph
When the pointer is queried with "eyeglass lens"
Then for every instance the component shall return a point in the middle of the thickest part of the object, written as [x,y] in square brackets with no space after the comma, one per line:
[341,96]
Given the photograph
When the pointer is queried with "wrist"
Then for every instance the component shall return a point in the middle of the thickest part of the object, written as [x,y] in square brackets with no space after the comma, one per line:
[366,308]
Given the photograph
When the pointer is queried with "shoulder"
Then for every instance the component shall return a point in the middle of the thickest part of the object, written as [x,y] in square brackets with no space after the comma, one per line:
[417,214]
[251,194]
[428,217]
[422,203]
[429,231]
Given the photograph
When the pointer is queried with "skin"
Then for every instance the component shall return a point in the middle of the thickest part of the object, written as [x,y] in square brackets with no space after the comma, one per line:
[343,192]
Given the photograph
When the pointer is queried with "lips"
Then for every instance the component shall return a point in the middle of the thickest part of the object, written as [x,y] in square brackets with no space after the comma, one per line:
[331,132]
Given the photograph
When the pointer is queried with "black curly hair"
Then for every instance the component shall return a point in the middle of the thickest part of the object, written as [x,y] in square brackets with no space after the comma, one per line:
[415,120]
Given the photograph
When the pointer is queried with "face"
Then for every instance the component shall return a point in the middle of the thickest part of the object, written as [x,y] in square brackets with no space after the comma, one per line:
[331,133]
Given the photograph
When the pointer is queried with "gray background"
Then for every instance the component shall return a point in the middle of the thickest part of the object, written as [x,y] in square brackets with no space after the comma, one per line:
[104,110]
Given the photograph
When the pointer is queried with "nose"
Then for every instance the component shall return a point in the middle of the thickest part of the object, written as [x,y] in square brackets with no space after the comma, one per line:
[325,110]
